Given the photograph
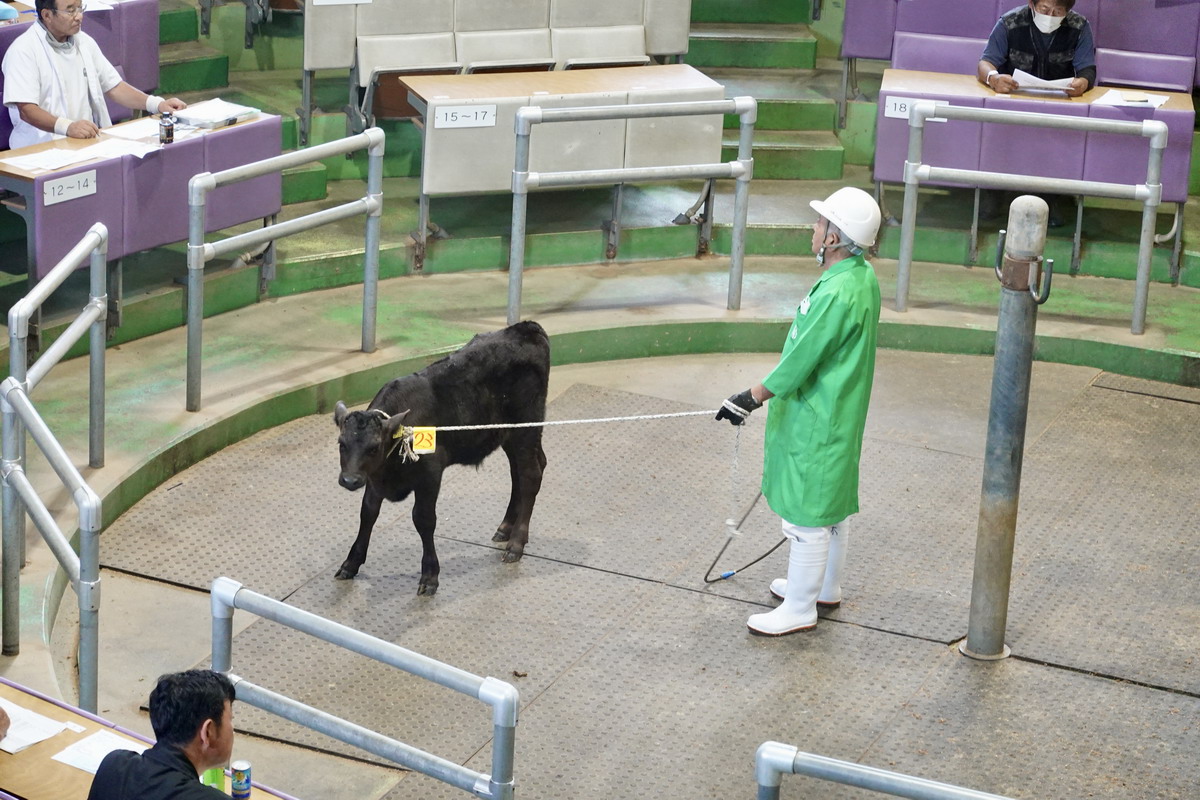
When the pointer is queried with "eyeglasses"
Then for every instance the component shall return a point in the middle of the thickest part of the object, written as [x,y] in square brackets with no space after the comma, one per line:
[72,11]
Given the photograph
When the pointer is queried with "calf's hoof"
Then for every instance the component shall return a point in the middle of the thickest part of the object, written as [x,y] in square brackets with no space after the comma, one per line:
[346,572]
[427,588]
[509,556]
[501,535]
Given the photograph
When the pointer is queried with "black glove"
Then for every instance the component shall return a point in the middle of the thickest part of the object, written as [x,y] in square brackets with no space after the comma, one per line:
[738,407]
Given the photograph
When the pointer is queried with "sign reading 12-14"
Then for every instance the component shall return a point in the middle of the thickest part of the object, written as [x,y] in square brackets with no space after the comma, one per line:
[465,116]
[59,190]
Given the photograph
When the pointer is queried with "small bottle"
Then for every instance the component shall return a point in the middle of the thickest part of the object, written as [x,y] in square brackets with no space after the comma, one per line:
[166,128]
[214,777]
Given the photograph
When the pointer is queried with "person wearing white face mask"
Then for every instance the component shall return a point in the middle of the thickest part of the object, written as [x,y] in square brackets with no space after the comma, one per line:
[1044,38]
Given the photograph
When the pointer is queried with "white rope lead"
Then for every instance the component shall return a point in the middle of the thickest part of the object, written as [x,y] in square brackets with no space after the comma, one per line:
[411,450]
[570,421]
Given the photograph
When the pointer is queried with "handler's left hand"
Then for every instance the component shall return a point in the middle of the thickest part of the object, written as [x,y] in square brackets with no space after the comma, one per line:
[738,407]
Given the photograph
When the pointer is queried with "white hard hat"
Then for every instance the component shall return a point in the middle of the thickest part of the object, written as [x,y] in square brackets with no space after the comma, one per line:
[854,211]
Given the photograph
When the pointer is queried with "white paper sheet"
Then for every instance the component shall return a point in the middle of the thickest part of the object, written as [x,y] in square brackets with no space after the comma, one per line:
[1028,81]
[144,128]
[27,727]
[88,752]
[1114,97]
[115,148]
[46,159]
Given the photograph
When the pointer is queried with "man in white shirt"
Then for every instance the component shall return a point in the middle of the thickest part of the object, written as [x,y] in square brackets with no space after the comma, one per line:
[56,80]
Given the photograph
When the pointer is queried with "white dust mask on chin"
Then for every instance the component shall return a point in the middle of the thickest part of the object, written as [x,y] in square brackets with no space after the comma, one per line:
[1046,23]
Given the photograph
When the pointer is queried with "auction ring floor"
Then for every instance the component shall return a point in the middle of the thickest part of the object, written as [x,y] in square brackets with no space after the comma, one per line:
[637,680]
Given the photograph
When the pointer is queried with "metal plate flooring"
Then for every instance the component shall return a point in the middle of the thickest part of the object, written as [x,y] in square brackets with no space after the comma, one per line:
[639,680]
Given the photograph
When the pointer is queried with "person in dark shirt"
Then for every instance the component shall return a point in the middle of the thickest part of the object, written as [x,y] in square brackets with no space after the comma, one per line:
[1046,39]
[192,716]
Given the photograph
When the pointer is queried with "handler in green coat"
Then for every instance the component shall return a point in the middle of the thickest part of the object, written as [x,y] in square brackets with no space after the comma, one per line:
[821,388]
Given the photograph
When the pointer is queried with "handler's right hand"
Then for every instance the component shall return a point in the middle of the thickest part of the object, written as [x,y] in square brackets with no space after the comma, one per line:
[738,407]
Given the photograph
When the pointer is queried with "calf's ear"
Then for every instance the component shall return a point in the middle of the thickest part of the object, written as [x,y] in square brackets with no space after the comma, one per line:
[339,413]
[392,424]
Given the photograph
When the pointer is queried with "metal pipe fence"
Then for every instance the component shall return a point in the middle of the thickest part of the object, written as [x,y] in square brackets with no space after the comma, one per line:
[201,252]
[19,495]
[228,594]
[774,760]
[741,169]
[1148,193]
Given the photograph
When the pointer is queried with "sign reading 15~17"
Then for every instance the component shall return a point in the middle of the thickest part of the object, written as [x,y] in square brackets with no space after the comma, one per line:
[465,117]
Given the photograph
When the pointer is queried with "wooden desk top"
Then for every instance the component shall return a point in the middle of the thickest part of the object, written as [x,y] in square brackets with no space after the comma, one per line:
[571,81]
[35,775]
[67,143]
[907,80]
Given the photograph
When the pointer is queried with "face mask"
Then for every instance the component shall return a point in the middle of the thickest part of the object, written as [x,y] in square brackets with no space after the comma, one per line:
[1046,23]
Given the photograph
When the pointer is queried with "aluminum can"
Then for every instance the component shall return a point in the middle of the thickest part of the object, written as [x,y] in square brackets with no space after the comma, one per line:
[240,771]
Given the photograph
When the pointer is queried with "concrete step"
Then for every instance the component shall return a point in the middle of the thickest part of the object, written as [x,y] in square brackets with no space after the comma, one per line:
[792,155]
[178,21]
[752,46]
[189,66]
[788,99]
[768,11]
[305,183]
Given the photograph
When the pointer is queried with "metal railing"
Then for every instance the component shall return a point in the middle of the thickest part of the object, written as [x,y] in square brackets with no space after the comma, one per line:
[19,496]
[200,252]
[1148,193]
[774,760]
[228,594]
[742,168]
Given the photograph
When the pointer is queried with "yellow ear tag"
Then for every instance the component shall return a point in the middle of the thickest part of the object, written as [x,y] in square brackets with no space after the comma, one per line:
[424,440]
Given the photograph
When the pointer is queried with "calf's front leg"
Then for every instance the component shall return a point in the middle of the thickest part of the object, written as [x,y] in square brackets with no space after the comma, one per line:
[367,515]
[424,517]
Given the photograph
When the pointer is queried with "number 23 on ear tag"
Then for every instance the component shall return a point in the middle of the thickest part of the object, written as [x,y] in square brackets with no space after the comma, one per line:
[424,440]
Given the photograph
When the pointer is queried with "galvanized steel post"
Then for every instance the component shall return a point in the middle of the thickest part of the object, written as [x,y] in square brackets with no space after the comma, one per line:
[747,110]
[520,204]
[908,230]
[1158,144]
[98,336]
[1006,428]
[198,188]
[371,245]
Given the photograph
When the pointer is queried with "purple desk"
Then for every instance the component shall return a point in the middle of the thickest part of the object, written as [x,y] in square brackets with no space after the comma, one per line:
[144,201]
[33,774]
[1046,153]
[1007,148]
[954,143]
[255,198]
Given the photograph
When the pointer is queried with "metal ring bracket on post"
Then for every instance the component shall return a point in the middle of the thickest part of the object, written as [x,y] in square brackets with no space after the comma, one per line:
[1148,193]
[199,252]
[741,168]
[503,698]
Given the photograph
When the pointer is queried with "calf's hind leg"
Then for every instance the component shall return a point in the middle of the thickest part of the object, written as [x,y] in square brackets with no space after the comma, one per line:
[527,462]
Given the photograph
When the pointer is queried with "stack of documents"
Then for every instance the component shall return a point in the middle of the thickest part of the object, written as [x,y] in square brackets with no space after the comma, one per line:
[215,113]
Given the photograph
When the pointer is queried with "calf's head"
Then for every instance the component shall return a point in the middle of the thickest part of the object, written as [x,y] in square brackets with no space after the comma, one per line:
[365,441]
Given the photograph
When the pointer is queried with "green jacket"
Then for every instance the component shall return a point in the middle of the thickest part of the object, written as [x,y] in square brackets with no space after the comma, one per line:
[822,386]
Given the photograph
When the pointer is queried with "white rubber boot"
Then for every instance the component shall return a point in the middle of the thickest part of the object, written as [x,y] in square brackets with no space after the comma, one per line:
[806,572]
[831,589]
